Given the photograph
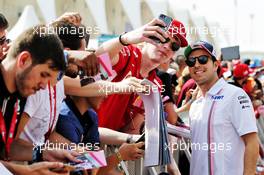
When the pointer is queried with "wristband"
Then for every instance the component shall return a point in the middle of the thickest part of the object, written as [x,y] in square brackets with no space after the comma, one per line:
[120,39]
[129,138]
[66,57]
[37,155]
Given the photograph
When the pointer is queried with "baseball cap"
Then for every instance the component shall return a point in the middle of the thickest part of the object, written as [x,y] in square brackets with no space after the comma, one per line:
[177,29]
[241,70]
[200,45]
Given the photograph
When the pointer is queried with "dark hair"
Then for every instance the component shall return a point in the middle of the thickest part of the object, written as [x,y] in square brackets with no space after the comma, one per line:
[247,61]
[3,22]
[43,45]
[70,34]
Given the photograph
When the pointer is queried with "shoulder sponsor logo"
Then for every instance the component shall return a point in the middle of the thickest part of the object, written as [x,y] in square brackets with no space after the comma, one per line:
[243,101]
[245,106]
[217,97]
[241,97]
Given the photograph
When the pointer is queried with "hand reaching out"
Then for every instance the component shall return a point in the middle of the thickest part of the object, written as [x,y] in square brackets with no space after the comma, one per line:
[131,151]
[143,33]
[72,17]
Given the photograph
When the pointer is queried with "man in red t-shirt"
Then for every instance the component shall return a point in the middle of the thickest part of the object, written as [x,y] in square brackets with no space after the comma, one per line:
[118,110]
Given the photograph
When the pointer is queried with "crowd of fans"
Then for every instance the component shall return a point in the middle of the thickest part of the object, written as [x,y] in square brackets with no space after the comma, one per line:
[43,102]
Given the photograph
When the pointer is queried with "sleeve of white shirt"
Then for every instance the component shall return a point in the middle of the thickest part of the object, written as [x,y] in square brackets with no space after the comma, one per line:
[4,170]
[242,113]
[33,103]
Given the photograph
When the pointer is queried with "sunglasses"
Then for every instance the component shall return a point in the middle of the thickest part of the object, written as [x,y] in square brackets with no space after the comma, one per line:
[203,59]
[174,46]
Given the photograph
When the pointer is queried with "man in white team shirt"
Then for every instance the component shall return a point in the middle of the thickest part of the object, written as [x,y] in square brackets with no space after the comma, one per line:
[223,126]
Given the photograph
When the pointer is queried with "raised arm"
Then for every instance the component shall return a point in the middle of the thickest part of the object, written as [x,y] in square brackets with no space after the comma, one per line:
[136,36]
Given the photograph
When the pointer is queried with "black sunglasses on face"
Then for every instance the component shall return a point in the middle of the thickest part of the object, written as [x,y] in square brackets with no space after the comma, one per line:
[174,46]
[192,60]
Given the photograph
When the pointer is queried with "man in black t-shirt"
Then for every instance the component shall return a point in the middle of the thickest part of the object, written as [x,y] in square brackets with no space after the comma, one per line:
[34,58]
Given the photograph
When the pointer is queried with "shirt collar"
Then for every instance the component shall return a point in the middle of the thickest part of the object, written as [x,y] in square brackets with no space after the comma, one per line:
[73,107]
[217,87]
[4,89]
[82,118]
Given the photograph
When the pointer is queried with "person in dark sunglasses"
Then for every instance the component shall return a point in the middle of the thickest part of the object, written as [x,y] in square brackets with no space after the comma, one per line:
[201,60]
[130,60]
[221,115]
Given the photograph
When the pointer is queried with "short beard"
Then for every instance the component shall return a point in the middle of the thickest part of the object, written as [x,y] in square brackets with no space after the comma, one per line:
[21,81]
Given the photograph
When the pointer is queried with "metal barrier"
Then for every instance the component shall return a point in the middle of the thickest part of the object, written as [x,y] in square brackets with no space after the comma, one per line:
[137,167]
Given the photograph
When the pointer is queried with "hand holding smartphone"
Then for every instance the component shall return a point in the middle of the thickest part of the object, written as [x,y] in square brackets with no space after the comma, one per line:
[167,20]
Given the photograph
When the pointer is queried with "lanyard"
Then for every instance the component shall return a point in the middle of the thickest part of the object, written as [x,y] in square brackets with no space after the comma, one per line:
[8,139]
[52,119]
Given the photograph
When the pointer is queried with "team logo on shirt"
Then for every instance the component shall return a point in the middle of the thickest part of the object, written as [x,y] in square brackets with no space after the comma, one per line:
[217,97]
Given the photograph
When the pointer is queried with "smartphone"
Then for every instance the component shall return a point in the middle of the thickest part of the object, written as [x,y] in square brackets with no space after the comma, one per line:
[84,80]
[167,20]
[141,139]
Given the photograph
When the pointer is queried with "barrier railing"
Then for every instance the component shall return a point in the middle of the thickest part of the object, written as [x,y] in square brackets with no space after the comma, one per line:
[137,167]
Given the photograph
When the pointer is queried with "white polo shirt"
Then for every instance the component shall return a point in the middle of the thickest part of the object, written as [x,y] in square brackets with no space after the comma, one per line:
[38,108]
[231,116]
